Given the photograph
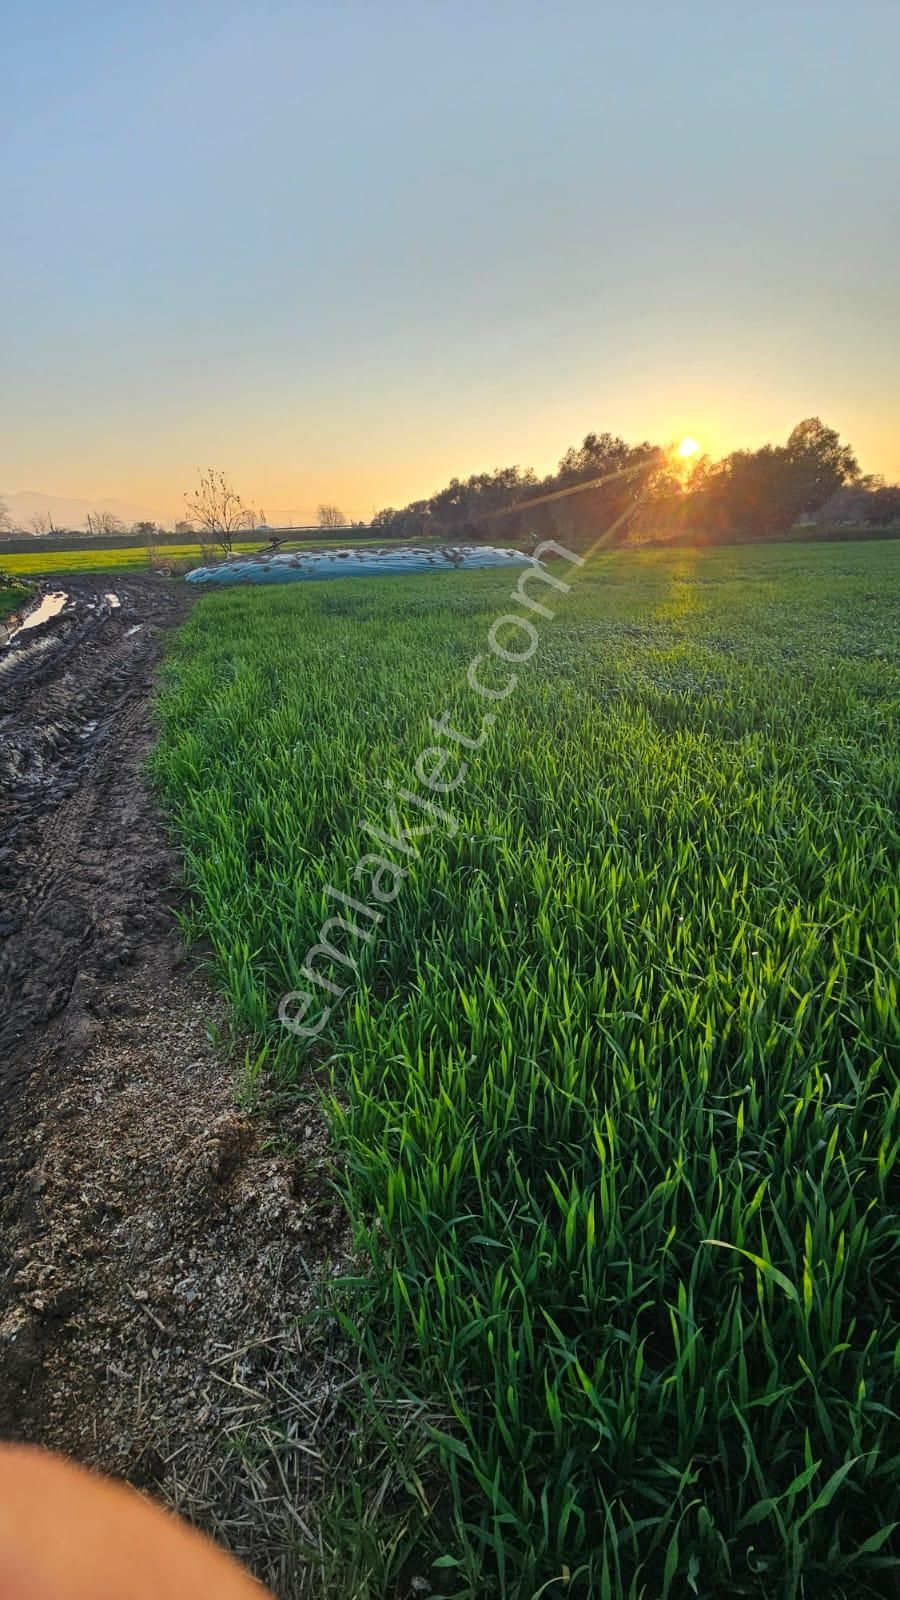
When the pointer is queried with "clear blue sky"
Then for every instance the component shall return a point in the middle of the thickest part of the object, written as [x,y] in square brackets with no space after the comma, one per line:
[345,250]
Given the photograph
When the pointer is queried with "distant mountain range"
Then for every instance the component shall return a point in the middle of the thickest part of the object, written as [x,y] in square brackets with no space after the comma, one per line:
[70,514]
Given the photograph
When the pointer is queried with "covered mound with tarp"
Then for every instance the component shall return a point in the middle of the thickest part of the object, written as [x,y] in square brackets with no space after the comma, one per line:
[297,565]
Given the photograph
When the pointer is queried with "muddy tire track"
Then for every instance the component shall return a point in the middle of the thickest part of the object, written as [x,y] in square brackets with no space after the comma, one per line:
[87,881]
[84,873]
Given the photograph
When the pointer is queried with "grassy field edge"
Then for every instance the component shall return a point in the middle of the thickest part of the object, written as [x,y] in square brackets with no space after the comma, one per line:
[616,1097]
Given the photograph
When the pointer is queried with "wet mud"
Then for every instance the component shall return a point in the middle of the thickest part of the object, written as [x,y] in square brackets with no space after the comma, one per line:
[85,875]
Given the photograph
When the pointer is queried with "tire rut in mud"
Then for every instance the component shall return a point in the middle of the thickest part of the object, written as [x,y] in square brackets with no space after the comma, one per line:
[85,875]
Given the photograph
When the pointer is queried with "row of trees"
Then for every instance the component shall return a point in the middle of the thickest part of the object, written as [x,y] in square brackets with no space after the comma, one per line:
[216,512]
[652,491]
[602,483]
[765,491]
[41,523]
[869,502]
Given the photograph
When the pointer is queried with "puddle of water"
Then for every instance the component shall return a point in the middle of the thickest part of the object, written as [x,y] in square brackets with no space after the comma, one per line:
[114,600]
[50,606]
[301,565]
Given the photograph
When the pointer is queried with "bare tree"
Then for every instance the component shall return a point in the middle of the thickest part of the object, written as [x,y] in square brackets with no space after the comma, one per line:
[331,517]
[218,508]
[104,522]
[41,522]
[6,521]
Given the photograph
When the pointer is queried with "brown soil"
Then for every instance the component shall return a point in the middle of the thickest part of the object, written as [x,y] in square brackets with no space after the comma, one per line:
[160,1242]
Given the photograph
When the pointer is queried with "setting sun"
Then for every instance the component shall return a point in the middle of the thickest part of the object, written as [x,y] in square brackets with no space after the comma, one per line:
[688,447]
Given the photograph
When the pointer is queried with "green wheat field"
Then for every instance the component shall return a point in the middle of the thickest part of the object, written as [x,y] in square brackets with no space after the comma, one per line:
[614,1093]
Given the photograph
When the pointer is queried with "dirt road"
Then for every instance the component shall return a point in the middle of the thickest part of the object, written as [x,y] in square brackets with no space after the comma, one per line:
[80,880]
[158,1242]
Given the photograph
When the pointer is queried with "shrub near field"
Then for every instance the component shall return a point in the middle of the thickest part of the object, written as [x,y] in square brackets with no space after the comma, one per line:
[12,595]
[617,1092]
